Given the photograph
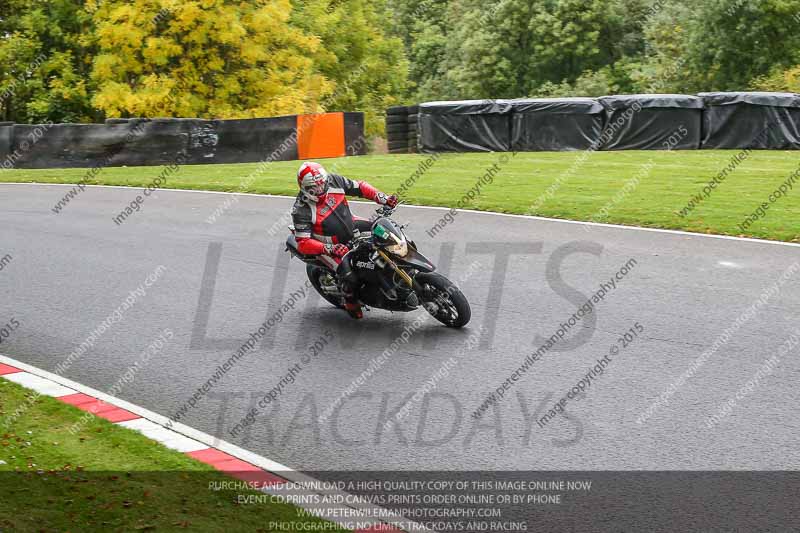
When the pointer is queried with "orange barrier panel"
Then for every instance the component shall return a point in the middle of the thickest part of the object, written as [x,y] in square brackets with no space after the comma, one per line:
[320,135]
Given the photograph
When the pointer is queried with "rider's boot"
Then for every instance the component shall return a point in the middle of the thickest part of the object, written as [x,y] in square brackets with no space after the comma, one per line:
[347,280]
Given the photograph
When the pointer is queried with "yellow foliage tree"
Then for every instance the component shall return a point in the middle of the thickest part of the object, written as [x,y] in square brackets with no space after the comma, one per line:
[203,58]
[780,81]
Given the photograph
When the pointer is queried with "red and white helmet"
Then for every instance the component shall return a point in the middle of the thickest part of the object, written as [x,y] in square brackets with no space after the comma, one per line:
[312,179]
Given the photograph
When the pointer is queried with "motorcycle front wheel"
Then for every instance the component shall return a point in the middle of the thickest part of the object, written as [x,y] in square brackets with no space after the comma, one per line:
[443,300]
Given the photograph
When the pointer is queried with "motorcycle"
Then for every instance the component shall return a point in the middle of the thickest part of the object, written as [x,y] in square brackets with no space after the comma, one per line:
[393,275]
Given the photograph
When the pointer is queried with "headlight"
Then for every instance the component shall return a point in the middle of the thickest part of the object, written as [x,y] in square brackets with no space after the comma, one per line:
[400,249]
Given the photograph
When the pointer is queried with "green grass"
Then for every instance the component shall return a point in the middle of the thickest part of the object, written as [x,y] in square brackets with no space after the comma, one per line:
[109,478]
[674,178]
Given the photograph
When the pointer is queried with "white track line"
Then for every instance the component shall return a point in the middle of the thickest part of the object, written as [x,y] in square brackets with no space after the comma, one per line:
[490,213]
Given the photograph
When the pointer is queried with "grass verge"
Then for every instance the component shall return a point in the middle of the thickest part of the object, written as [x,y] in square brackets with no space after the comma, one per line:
[640,188]
[109,478]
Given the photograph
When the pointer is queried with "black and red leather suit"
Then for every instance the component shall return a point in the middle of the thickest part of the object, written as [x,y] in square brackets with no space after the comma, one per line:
[323,227]
[329,220]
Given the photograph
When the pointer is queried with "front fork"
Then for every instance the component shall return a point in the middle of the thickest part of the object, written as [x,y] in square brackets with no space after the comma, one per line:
[411,282]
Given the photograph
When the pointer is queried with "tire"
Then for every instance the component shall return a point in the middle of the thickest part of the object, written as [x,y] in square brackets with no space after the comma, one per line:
[398,150]
[397,128]
[412,119]
[395,138]
[412,137]
[412,110]
[458,313]
[396,119]
[398,144]
[413,128]
[397,110]
[314,272]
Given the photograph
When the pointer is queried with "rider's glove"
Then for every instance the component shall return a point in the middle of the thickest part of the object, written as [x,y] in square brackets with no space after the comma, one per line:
[382,199]
[336,250]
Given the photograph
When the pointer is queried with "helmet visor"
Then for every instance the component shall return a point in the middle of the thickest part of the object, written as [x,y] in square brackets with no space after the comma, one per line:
[315,185]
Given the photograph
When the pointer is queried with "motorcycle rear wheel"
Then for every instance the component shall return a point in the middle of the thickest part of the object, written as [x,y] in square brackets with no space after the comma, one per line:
[314,273]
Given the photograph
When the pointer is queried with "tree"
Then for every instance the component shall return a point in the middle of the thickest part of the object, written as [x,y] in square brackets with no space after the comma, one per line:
[210,58]
[510,48]
[478,58]
[368,69]
[423,27]
[590,83]
[663,67]
[45,52]
[731,42]
[779,80]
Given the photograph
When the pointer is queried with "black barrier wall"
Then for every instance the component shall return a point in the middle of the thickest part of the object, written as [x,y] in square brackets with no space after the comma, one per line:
[751,120]
[625,122]
[243,141]
[465,126]
[555,124]
[6,140]
[139,142]
[354,139]
[652,122]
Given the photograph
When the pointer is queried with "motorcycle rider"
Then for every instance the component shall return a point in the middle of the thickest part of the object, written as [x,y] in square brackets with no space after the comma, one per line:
[323,222]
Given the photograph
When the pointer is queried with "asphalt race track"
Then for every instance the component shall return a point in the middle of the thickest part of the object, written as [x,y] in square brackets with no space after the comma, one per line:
[220,281]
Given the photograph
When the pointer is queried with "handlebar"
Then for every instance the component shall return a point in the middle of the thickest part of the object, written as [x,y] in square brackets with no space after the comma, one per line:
[357,241]
[386,211]
[381,211]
